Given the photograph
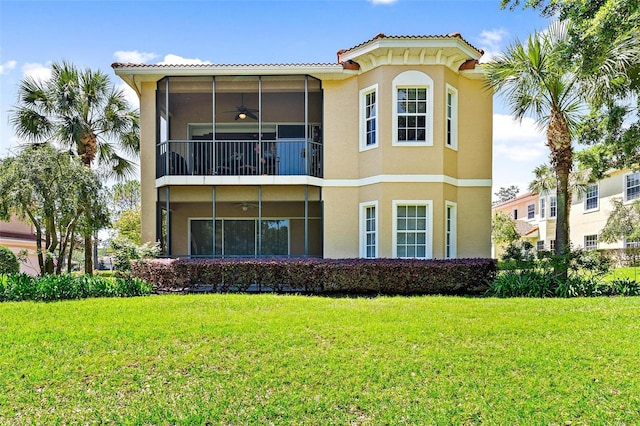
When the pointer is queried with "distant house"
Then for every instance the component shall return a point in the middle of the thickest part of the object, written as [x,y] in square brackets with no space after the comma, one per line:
[19,236]
[535,215]
[386,153]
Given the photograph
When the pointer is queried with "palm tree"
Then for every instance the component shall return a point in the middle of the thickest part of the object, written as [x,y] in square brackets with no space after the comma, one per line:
[537,82]
[80,110]
[545,181]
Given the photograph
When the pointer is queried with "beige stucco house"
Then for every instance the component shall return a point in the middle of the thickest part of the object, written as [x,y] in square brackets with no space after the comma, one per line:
[535,215]
[19,236]
[385,153]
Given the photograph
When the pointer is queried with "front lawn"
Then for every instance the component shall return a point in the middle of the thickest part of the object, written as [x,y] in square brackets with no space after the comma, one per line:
[260,359]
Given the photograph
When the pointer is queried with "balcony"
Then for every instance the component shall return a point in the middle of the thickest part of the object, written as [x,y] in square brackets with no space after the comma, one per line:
[290,157]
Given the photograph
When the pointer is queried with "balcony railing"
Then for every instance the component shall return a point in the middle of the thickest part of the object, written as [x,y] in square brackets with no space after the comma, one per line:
[290,157]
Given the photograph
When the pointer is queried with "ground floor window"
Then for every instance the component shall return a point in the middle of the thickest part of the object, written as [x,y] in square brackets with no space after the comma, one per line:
[591,242]
[450,231]
[369,230]
[540,245]
[412,229]
[239,237]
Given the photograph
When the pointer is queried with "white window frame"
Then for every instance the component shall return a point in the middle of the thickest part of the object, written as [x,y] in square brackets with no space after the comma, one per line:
[626,186]
[450,230]
[540,245]
[363,117]
[531,214]
[413,80]
[597,197]
[429,222]
[631,243]
[543,208]
[553,205]
[363,228]
[590,246]
[451,118]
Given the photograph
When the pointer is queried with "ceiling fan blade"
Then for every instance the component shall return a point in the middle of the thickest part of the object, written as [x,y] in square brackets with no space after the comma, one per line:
[251,115]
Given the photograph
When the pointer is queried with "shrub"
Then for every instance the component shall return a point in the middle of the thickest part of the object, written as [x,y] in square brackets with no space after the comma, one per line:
[9,263]
[125,251]
[320,276]
[16,287]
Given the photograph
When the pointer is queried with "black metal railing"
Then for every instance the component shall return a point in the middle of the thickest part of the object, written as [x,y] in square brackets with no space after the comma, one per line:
[290,157]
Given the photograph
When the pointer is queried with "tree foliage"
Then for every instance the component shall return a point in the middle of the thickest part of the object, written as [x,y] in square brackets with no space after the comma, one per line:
[83,111]
[604,46]
[536,81]
[622,223]
[507,193]
[503,228]
[57,194]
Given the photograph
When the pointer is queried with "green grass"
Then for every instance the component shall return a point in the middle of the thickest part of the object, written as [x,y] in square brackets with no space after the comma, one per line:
[237,359]
[626,272]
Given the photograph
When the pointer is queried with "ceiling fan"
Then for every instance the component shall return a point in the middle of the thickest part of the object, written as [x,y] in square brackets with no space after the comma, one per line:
[247,206]
[243,112]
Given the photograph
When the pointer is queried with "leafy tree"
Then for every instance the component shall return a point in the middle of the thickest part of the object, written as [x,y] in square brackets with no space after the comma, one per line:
[57,194]
[128,225]
[535,80]
[126,195]
[506,194]
[84,112]
[622,223]
[126,210]
[604,45]
[503,228]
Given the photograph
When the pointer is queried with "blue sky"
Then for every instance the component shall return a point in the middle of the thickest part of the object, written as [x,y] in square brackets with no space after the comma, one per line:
[97,33]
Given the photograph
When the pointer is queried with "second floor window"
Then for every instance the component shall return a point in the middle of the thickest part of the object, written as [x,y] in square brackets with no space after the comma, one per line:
[632,186]
[452,117]
[553,207]
[369,117]
[412,114]
[531,211]
[591,197]
[543,208]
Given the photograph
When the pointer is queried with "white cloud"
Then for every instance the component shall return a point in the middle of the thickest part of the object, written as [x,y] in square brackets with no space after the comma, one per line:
[7,66]
[37,71]
[492,42]
[517,149]
[175,59]
[133,56]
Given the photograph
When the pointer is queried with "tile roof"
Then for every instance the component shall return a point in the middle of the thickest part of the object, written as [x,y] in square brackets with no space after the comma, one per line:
[210,65]
[413,37]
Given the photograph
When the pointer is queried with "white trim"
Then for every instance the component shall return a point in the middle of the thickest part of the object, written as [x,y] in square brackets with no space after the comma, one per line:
[363,228]
[363,119]
[412,79]
[313,181]
[453,249]
[454,117]
[429,231]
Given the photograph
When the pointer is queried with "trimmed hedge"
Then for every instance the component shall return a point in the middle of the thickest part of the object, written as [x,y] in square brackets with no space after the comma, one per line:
[17,287]
[320,276]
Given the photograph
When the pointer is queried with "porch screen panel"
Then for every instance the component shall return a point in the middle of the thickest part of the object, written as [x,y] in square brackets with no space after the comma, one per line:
[201,242]
[275,237]
[239,237]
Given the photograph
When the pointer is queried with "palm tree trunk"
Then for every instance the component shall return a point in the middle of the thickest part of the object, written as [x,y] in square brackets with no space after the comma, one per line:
[559,141]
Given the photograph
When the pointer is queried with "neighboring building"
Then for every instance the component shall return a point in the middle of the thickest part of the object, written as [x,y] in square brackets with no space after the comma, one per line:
[19,236]
[536,214]
[386,153]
